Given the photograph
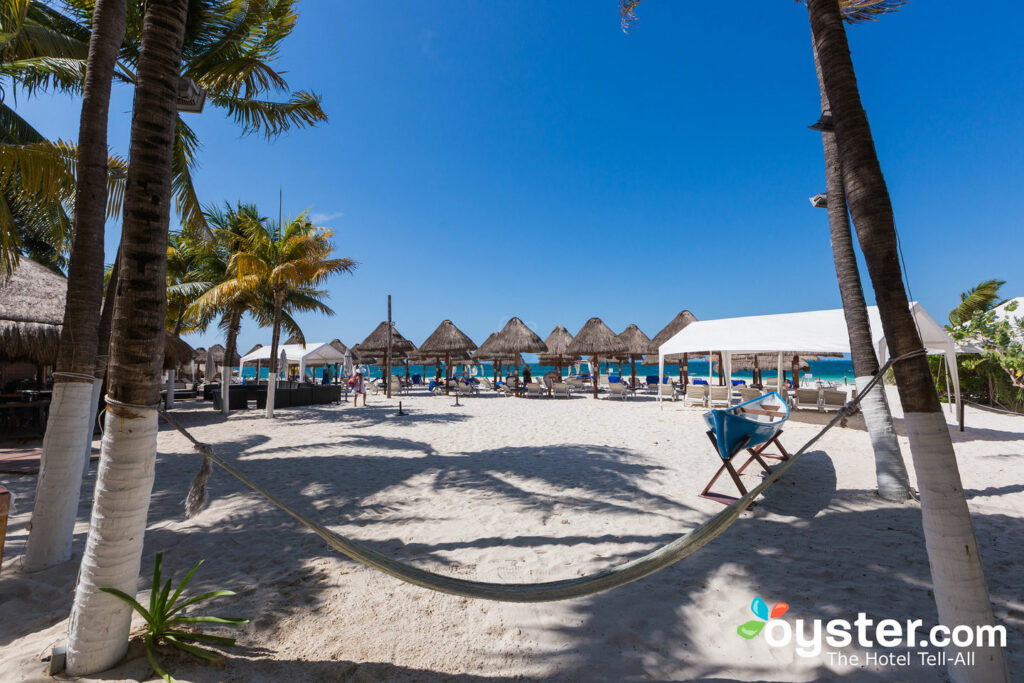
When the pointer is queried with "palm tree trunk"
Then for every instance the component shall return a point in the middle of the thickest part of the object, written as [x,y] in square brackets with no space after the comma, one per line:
[274,340]
[69,426]
[961,593]
[890,470]
[99,623]
[230,350]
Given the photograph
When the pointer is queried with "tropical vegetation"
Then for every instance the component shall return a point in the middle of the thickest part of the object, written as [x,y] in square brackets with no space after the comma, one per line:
[164,620]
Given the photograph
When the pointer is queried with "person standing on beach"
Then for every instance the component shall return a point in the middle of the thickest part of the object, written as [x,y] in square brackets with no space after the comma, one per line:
[527,374]
[358,387]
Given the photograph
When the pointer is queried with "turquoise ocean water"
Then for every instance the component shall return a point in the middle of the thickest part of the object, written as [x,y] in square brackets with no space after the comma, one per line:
[832,369]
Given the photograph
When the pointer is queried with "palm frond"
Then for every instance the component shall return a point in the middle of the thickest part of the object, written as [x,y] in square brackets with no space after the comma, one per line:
[978,299]
[186,144]
[272,118]
[46,74]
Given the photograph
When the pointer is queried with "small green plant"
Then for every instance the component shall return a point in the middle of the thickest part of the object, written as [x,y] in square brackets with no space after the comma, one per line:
[161,618]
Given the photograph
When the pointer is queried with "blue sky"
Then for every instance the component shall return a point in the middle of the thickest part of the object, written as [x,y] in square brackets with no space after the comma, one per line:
[491,158]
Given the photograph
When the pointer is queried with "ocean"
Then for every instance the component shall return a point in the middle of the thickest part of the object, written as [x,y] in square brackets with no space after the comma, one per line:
[838,370]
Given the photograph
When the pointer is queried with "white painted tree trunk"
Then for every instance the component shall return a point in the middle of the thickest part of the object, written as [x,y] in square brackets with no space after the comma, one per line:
[225,390]
[170,389]
[890,470]
[961,593]
[68,434]
[114,548]
[97,389]
[271,386]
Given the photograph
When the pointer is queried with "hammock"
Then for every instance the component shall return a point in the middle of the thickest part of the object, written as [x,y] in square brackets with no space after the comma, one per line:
[550,591]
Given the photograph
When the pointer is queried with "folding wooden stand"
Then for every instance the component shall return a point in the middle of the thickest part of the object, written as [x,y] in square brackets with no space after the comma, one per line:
[757,454]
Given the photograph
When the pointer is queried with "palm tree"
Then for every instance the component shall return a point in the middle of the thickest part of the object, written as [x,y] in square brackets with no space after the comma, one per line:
[890,470]
[228,49]
[961,593]
[99,624]
[227,52]
[40,49]
[78,377]
[218,297]
[978,299]
[281,264]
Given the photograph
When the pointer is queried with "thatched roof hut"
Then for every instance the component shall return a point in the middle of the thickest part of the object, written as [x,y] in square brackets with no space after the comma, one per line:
[296,338]
[216,354]
[340,347]
[377,342]
[682,319]
[516,337]
[767,361]
[637,343]
[254,348]
[447,338]
[485,355]
[177,352]
[558,348]
[596,339]
[31,313]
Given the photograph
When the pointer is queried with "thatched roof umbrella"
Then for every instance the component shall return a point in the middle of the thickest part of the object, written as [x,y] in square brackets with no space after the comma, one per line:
[558,348]
[516,338]
[176,351]
[486,354]
[682,319]
[596,340]
[215,359]
[637,343]
[446,339]
[31,313]
[377,344]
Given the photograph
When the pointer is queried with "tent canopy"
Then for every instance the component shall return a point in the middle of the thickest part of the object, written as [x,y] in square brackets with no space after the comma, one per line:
[319,353]
[810,332]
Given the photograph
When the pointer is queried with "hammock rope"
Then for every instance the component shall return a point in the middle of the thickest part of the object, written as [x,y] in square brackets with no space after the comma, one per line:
[550,591]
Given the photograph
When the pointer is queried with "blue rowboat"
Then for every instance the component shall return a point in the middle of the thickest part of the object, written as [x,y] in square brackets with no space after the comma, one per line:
[747,425]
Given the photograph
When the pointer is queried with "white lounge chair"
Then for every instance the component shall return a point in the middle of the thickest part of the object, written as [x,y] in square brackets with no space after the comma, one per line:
[668,390]
[561,389]
[536,389]
[720,396]
[749,394]
[807,399]
[832,400]
[620,390]
[695,393]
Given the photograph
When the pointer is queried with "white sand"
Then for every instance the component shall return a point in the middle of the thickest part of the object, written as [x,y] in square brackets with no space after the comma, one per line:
[523,490]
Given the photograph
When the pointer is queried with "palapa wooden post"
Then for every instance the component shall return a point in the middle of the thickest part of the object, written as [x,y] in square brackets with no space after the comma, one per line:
[447,372]
[594,372]
[796,372]
[685,365]
[387,354]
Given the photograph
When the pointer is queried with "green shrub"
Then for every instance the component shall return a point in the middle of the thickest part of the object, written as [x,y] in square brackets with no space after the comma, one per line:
[162,620]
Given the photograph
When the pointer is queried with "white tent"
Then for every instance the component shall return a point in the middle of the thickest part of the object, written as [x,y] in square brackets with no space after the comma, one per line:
[799,333]
[310,355]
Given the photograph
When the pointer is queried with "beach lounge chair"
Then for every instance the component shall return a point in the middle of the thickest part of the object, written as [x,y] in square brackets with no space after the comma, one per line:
[397,388]
[602,381]
[535,389]
[506,389]
[620,390]
[561,389]
[832,399]
[748,394]
[486,384]
[807,399]
[720,396]
[668,391]
[652,383]
[696,393]
[463,388]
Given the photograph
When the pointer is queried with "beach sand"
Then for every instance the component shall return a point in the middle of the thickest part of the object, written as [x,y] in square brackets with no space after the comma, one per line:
[526,490]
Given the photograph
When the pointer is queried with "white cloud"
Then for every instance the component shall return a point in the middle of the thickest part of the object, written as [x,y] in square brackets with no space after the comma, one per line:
[321,218]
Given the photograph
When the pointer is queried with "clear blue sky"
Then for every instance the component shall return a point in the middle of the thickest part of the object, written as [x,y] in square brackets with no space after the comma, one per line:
[491,158]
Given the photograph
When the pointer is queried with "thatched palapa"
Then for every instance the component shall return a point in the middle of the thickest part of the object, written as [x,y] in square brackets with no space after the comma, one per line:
[377,342]
[558,348]
[447,338]
[31,313]
[596,339]
[516,337]
[636,343]
[177,352]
